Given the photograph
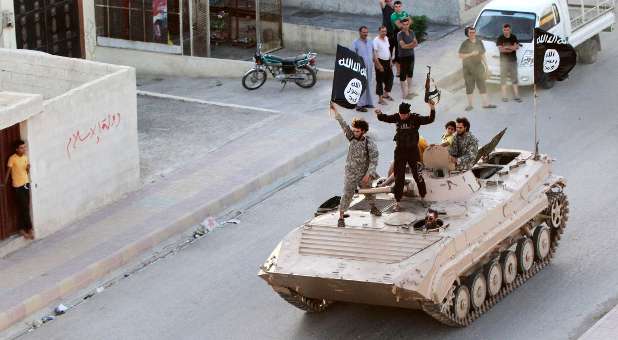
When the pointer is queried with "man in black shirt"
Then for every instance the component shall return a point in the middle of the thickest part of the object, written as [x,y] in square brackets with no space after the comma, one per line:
[508,44]
[406,145]
[472,55]
[387,11]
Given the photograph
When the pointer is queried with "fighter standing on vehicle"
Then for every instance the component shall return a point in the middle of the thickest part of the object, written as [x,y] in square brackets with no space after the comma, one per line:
[406,148]
[361,163]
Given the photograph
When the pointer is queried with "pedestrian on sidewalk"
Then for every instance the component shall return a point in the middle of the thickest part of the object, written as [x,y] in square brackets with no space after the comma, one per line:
[406,146]
[472,55]
[398,15]
[387,12]
[384,70]
[361,163]
[364,48]
[407,42]
[508,45]
[19,172]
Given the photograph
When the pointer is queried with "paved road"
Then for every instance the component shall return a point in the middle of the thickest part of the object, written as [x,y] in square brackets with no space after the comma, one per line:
[211,291]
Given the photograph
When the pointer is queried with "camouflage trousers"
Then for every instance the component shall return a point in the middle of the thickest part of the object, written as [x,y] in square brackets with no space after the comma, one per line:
[350,184]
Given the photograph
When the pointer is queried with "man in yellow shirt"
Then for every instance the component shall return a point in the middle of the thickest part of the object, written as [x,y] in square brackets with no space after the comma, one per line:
[19,171]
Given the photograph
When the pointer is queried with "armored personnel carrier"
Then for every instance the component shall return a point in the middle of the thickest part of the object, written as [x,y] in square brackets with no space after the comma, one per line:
[498,224]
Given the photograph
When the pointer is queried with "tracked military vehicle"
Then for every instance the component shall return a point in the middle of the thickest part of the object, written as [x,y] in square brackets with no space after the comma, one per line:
[499,223]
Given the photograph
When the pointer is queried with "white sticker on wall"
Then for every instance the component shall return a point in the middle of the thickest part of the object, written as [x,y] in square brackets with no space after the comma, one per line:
[353,91]
[551,61]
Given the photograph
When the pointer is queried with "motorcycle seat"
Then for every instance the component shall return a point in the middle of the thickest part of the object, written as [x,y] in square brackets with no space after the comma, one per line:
[290,60]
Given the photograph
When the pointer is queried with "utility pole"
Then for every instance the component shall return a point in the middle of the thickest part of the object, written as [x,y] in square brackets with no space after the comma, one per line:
[258,24]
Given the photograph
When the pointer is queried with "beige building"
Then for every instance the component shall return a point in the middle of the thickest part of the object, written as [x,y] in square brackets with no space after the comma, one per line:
[79,119]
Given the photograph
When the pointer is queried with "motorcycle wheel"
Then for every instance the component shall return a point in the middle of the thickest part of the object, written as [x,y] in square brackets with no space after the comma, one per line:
[311,77]
[254,79]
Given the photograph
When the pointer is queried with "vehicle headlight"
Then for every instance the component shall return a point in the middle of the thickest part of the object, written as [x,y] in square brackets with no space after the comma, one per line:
[527,60]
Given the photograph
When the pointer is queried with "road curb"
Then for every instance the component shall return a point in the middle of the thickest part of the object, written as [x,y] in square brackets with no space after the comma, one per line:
[100,268]
[605,328]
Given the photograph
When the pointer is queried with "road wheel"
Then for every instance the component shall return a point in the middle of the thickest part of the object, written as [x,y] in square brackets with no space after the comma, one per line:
[546,82]
[310,77]
[254,79]
[478,290]
[493,273]
[508,260]
[542,241]
[588,52]
[525,254]
[461,305]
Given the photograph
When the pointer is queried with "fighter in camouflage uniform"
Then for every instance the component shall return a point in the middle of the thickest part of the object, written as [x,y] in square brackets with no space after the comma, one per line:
[465,146]
[360,166]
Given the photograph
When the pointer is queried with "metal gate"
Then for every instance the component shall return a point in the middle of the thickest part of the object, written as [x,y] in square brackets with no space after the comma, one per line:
[50,26]
[8,207]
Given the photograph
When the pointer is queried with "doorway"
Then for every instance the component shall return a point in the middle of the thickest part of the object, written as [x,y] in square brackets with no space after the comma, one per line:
[8,207]
[50,26]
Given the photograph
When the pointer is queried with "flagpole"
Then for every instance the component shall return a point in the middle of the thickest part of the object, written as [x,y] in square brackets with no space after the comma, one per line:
[536,143]
[536,139]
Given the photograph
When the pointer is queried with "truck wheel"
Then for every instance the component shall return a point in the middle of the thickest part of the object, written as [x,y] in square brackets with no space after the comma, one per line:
[588,51]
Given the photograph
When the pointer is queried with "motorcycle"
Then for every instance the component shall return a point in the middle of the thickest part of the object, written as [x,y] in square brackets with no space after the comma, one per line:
[301,69]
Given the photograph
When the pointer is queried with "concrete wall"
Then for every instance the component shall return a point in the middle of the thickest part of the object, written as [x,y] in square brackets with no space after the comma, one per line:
[40,73]
[439,11]
[178,65]
[454,12]
[319,39]
[83,146]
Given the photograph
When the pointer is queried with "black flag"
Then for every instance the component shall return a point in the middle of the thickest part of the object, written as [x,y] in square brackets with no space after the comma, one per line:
[350,78]
[554,57]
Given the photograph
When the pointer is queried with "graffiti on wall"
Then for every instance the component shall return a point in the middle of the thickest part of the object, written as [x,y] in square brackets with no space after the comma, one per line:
[470,4]
[93,134]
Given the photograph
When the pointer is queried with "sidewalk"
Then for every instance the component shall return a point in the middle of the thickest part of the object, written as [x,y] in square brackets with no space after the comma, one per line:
[321,31]
[299,132]
[604,329]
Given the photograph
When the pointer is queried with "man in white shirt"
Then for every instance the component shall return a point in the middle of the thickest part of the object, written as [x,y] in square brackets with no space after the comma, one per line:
[382,61]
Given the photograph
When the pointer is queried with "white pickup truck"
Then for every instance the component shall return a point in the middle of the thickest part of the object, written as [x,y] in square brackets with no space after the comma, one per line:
[578,21]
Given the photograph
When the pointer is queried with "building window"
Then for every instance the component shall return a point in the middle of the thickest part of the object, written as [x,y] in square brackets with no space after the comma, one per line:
[148,21]
[218,28]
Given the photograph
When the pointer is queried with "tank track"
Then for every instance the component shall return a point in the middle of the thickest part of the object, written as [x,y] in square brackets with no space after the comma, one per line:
[449,318]
[305,303]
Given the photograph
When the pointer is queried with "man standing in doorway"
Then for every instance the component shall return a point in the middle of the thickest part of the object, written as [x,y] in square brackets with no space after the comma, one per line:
[384,70]
[472,55]
[407,42]
[396,19]
[406,146]
[508,45]
[364,48]
[19,171]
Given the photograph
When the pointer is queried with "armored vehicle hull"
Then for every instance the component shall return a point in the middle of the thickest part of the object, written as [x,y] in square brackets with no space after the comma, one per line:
[500,223]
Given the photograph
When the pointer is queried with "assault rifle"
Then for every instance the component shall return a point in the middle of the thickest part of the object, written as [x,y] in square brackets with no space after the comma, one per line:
[431,95]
